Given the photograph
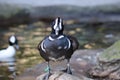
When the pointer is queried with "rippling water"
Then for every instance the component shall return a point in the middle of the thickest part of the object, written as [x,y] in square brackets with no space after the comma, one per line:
[30,35]
[8,65]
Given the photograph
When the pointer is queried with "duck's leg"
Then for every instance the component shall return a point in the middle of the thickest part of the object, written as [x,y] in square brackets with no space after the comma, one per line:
[46,77]
[69,71]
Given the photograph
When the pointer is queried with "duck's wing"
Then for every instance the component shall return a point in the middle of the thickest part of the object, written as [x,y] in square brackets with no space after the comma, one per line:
[42,50]
[74,41]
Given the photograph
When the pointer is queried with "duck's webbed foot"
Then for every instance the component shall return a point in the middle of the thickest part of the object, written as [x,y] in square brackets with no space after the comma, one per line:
[68,69]
[46,77]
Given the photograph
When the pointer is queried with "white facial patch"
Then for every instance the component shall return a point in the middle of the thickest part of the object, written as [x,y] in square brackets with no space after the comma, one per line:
[58,26]
[12,39]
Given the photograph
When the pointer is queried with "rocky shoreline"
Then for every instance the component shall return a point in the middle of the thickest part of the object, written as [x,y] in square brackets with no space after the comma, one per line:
[81,62]
[79,14]
[86,65]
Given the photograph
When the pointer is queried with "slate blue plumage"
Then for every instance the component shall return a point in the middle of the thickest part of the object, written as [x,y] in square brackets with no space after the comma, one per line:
[58,46]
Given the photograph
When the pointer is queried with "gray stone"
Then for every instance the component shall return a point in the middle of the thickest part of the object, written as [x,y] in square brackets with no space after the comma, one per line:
[62,76]
[109,64]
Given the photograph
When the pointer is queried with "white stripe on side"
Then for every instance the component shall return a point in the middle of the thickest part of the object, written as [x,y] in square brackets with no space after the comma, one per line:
[69,43]
[42,46]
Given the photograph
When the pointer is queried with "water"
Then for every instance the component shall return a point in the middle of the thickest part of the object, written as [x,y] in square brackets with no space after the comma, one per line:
[8,68]
[29,35]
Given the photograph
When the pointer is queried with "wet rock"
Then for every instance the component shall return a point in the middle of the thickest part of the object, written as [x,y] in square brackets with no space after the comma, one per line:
[62,76]
[81,62]
[59,76]
[108,64]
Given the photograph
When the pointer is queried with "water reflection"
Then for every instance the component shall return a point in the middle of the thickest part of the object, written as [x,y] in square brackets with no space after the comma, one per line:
[8,67]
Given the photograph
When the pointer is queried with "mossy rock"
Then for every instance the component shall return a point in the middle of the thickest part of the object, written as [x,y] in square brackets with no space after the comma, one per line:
[113,52]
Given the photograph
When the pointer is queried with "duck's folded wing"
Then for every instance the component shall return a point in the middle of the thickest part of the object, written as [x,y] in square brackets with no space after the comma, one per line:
[74,41]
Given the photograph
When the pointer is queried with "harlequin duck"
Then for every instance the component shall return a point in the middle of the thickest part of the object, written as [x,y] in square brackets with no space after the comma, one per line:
[11,49]
[57,46]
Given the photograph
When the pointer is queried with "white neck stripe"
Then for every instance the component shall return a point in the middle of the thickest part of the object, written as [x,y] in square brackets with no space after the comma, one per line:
[58,26]
[61,36]
[51,39]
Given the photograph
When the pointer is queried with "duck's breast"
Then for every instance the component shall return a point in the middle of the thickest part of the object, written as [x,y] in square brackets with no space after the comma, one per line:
[9,52]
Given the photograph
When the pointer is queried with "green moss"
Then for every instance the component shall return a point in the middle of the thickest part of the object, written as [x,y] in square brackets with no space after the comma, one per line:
[112,52]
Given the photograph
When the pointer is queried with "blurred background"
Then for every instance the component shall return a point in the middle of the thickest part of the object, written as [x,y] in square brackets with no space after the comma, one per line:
[96,24]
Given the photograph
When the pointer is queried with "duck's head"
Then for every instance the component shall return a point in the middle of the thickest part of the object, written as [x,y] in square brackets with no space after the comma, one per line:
[13,41]
[58,26]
